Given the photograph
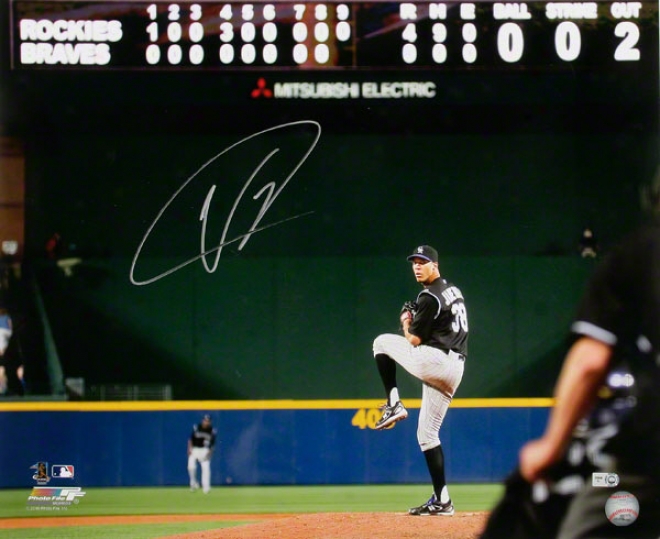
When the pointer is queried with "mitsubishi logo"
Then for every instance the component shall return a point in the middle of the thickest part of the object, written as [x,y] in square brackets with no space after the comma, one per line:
[261,90]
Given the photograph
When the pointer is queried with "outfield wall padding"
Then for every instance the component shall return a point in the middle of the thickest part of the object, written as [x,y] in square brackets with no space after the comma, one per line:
[259,446]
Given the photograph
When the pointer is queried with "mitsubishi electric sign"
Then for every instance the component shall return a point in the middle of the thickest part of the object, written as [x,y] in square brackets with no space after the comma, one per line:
[345,90]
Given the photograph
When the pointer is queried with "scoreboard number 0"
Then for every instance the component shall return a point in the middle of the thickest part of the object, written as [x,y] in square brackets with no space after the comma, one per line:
[568,41]
[510,42]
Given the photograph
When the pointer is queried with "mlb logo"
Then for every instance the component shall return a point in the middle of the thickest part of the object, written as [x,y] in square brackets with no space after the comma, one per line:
[62,471]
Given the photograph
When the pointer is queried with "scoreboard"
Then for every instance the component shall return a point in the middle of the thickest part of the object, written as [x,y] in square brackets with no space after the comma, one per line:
[331,35]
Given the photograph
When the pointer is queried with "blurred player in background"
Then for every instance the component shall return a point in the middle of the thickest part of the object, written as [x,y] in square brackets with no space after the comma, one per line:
[618,322]
[433,348]
[6,329]
[200,449]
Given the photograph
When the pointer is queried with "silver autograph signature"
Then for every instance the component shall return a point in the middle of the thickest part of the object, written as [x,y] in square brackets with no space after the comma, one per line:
[269,192]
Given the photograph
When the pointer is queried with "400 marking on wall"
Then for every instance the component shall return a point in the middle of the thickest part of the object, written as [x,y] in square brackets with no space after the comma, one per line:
[366,418]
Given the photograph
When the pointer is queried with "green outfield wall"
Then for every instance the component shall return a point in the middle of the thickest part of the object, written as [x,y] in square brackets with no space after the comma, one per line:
[254,250]
[224,336]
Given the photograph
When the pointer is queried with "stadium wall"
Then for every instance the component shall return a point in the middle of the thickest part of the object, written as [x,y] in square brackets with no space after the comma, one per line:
[289,336]
[293,311]
[260,443]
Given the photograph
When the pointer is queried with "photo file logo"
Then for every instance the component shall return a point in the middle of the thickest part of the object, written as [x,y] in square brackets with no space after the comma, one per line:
[50,495]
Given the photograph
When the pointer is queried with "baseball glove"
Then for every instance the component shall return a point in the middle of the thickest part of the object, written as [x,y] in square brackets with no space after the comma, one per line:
[408,311]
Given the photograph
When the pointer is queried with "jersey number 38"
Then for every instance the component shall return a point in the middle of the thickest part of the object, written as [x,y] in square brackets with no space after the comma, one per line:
[460,318]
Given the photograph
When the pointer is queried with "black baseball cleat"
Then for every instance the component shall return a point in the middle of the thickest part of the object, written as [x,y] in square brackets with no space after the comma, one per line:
[433,508]
[391,414]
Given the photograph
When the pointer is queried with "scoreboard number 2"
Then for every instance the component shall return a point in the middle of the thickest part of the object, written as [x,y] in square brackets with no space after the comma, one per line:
[627,50]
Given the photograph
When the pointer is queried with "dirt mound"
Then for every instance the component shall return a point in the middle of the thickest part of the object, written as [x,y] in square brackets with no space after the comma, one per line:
[353,526]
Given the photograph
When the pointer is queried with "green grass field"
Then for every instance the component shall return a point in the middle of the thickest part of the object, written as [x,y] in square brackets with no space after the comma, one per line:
[224,500]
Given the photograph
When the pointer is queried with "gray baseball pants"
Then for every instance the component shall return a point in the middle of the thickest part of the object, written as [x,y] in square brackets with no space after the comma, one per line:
[440,372]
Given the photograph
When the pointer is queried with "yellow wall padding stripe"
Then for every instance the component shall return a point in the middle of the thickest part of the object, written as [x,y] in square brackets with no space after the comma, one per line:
[284,404]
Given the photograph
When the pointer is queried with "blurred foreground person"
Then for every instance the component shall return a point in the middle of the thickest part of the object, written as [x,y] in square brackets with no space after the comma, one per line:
[602,441]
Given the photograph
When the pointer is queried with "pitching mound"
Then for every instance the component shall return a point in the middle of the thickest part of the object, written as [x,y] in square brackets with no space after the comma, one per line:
[353,526]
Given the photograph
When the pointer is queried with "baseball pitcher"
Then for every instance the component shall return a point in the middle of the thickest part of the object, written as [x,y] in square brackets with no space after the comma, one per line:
[433,348]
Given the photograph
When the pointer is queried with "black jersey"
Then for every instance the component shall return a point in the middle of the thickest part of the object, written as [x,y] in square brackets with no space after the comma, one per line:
[441,318]
[203,436]
[621,307]
[622,301]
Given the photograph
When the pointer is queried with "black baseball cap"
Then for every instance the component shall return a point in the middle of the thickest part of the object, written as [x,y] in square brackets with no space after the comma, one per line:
[206,417]
[426,252]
